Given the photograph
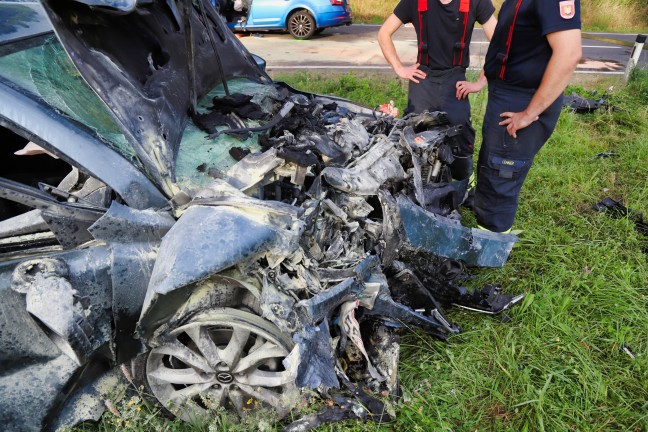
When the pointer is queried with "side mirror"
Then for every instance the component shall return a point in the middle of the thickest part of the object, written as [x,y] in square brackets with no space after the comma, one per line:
[260,62]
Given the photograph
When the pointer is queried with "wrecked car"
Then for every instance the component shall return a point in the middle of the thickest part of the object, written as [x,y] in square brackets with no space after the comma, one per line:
[172,217]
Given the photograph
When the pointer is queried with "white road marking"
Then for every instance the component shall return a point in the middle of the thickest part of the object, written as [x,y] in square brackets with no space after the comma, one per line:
[378,67]
[605,47]
[328,67]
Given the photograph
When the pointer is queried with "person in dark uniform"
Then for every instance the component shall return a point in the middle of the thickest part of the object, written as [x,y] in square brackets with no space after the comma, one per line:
[533,53]
[437,82]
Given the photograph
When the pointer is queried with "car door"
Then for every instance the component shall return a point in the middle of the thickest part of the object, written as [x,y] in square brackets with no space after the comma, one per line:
[268,13]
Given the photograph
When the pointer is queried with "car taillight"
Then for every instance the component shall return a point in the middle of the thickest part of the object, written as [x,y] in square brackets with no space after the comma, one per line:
[337,2]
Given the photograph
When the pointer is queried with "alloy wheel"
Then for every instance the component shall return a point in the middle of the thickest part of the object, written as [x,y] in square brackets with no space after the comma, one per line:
[301,25]
[225,358]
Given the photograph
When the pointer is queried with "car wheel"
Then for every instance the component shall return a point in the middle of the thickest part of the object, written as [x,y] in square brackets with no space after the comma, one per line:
[221,358]
[301,25]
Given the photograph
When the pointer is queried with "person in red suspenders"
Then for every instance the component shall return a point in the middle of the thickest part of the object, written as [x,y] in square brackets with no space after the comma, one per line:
[534,51]
[437,82]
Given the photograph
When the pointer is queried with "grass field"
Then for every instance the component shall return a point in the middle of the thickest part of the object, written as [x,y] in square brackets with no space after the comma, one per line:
[598,15]
[557,365]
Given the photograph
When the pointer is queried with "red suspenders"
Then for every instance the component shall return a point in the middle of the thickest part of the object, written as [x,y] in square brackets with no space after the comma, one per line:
[422,45]
[464,8]
[504,57]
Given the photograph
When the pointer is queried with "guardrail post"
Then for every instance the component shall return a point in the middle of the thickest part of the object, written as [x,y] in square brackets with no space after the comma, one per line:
[636,54]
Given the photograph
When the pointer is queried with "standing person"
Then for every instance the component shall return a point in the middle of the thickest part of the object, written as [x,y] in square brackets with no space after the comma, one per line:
[437,82]
[534,51]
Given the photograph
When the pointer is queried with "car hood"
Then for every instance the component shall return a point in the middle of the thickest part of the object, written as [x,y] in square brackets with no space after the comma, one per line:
[150,62]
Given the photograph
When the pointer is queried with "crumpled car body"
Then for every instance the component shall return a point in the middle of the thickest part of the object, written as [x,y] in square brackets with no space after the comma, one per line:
[218,255]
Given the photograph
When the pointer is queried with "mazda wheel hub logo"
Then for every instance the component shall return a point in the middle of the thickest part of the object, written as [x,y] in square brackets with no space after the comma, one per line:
[224,377]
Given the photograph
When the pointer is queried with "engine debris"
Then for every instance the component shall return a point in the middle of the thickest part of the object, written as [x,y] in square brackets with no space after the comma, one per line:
[380,244]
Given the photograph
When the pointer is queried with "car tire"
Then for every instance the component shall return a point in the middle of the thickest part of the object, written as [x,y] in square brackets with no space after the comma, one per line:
[222,358]
[301,25]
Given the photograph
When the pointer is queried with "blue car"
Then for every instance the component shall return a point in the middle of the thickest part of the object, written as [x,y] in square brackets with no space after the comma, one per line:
[301,18]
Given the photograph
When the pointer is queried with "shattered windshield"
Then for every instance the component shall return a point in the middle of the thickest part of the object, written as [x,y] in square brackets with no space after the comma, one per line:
[40,66]
[44,69]
[200,158]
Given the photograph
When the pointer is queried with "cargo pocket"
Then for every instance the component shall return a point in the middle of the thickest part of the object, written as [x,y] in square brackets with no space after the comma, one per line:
[507,168]
[499,182]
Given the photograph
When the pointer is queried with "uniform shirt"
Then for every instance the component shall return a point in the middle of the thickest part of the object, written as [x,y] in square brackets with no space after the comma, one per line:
[444,26]
[530,51]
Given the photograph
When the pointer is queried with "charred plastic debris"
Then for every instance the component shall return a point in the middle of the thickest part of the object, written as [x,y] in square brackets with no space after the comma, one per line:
[616,209]
[583,105]
[371,238]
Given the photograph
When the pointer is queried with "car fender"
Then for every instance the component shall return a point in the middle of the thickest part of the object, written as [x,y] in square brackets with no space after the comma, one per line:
[207,240]
[297,7]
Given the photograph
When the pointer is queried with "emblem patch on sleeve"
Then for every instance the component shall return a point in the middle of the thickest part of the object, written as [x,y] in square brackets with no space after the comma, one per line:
[567,9]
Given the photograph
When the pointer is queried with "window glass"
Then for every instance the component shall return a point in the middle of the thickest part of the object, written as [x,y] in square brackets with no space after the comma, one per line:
[43,69]
[200,159]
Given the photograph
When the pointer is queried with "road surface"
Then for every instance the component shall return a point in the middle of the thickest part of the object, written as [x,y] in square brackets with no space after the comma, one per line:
[355,48]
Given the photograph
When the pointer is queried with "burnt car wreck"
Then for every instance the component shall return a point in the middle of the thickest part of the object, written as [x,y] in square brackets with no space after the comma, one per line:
[223,236]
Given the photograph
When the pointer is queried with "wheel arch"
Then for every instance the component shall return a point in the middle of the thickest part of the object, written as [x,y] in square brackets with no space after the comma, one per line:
[300,8]
[207,242]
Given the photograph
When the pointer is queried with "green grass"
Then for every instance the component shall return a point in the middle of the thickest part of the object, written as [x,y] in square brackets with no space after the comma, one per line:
[557,364]
[597,15]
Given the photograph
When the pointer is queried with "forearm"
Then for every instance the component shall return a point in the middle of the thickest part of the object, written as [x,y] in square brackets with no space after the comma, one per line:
[559,70]
[385,35]
[553,84]
[389,51]
[481,80]
[566,46]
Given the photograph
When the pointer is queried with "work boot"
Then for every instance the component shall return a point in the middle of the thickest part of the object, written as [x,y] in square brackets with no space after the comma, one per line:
[508,231]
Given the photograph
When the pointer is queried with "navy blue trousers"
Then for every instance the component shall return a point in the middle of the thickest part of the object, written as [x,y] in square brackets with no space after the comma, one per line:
[437,92]
[504,161]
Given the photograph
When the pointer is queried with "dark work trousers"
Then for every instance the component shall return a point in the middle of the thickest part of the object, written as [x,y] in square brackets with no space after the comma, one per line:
[437,92]
[504,161]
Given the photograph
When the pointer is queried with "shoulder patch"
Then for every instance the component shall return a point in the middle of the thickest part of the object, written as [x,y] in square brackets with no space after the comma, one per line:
[567,9]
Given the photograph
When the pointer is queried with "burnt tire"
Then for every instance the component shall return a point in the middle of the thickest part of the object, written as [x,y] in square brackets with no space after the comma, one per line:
[301,25]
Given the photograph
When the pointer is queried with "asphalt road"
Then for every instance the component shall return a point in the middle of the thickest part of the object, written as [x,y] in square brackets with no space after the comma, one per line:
[355,48]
